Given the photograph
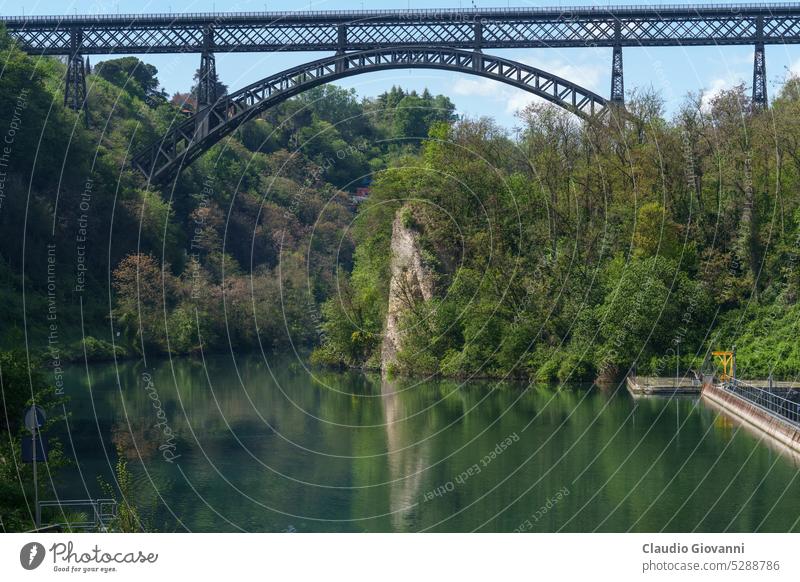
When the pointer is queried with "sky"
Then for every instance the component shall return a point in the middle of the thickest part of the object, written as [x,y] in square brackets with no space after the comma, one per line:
[672,71]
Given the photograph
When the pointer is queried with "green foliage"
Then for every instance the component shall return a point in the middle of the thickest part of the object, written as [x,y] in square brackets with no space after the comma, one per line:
[408,117]
[649,304]
[21,385]
[656,234]
[137,78]
[577,251]
[243,247]
[765,339]
[414,115]
[96,349]
[128,519]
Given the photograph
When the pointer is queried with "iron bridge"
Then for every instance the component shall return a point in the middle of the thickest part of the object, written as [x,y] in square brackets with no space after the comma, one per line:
[369,40]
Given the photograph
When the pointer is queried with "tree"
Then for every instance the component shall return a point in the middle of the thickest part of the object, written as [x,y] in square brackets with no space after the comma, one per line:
[220,87]
[135,76]
[656,234]
[414,115]
[144,291]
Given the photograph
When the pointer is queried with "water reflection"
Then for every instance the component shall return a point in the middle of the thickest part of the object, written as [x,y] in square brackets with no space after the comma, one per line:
[267,446]
[407,464]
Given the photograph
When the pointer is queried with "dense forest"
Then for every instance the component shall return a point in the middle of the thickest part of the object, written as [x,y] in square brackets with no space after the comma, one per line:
[579,250]
[84,238]
[565,251]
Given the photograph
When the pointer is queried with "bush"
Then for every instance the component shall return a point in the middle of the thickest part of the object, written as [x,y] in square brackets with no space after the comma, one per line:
[96,349]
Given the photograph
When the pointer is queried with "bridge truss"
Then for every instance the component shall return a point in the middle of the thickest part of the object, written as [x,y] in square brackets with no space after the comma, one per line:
[600,26]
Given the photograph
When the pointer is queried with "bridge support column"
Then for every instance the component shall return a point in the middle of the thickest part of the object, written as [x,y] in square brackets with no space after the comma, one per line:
[477,57]
[759,68]
[75,80]
[206,83]
[759,77]
[206,92]
[617,77]
[341,33]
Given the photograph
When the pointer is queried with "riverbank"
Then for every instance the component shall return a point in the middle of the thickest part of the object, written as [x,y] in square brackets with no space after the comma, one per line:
[768,423]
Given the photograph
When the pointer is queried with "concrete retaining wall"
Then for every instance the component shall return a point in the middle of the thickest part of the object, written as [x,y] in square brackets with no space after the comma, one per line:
[781,430]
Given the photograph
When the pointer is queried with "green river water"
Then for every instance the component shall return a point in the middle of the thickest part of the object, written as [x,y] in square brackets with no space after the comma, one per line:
[265,444]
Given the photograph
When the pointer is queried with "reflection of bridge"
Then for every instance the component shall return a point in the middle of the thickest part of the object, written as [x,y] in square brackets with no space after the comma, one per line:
[366,41]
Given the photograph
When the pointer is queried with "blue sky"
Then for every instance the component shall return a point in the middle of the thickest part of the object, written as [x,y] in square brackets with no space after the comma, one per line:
[672,71]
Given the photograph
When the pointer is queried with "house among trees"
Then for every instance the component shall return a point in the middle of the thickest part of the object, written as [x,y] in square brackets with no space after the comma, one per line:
[362,191]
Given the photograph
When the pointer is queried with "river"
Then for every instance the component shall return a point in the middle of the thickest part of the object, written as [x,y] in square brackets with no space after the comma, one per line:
[266,444]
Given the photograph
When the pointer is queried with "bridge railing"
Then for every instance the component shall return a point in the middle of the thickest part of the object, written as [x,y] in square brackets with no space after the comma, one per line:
[766,399]
[436,12]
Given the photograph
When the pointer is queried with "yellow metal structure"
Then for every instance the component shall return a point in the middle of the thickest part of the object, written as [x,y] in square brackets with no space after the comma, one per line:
[726,360]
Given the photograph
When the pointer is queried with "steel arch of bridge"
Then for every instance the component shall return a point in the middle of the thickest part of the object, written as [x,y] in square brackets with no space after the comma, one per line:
[189,139]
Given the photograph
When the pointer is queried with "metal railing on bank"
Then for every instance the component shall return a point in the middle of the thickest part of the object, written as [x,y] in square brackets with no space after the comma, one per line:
[769,400]
[78,514]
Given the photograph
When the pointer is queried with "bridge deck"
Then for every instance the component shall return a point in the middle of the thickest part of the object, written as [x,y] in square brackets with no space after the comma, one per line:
[431,14]
[474,28]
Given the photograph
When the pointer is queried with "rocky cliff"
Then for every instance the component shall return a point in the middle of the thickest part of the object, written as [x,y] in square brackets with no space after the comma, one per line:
[411,282]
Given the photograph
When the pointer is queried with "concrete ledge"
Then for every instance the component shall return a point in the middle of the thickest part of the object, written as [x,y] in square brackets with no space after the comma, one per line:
[649,385]
[781,430]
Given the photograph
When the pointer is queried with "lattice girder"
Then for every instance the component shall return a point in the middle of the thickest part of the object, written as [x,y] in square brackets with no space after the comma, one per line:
[364,30]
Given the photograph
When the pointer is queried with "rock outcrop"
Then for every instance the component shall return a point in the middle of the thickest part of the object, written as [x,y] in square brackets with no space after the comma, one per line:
[411,282]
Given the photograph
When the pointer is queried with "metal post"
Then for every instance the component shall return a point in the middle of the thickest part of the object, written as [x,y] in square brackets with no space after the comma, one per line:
[37,519]
[75,80]
[617,74]
[759,78]
[341,44]
[759,68]
[207,84]
[477,58]
[733,366]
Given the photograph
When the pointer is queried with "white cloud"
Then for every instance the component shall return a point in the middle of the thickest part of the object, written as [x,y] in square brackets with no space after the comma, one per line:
[480,86]
[716,87]
[587,75]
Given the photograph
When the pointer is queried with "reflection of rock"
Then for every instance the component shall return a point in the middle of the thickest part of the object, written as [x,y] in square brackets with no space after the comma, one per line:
[406,465]
[411,282]
[135,441]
